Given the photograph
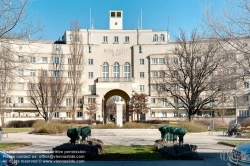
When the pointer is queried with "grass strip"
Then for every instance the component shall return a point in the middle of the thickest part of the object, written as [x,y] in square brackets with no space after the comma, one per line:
[16,130]
[233,143]
[130,153]
[13,145]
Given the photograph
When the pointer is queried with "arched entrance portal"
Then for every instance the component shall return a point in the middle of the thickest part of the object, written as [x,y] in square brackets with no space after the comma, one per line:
[116,92]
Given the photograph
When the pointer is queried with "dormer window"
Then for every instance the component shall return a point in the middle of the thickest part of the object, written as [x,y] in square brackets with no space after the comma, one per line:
[155,37]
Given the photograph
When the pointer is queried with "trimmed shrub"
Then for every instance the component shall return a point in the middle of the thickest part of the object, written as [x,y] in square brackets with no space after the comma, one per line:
[49,128]
[245,122]
[193,127]
[217,122]
[20,124]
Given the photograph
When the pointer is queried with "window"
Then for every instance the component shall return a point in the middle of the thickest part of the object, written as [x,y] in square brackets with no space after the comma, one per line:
[44,73]
[127,70]
[56,73]
[20,72]
[176,113]
[162,38]
[246,84]
[79,114]
[232,56]
[152,100]
[33,59]
[162,74]
[154,61]
[175,73]
[246,98]
[161,60]
[91,74]
[142,88]
[154,74]
[105,39]
[91,100]
[198,59]
[70,87]
[112,14]
[246,56]
[5,86]
[155,37]
[68,102]
[45,60]
[246,71]
[153,114]
[91,88]
[141,61]
[116,70]
[176,87]
[119,14]
[70,74]
[57,115]
[55,87]
[90,61]
[56,60]
[20,58]
[127,39]
[176,60]
[141,74]
[116,39]
[32,73]
[68,114]
[32,86]
[164,114]
[164,102]
[20,100]
[105,70]
[20,86]
[154,87]
[8,100]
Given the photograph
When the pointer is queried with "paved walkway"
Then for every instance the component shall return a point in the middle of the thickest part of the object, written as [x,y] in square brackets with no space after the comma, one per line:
[207,144]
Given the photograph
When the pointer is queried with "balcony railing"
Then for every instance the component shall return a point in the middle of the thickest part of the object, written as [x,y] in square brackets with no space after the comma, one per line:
[115,79]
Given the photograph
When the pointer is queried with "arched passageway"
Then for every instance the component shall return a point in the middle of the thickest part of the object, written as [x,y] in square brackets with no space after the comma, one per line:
[116,92]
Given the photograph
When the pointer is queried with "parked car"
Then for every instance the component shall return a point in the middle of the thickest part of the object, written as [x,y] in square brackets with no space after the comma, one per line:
[7,160]
[240,155]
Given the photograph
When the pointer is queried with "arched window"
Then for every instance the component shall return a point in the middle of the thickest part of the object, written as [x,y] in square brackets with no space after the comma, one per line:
[116,70]
[155,37]
[162,37]
[105,69]
[127,70]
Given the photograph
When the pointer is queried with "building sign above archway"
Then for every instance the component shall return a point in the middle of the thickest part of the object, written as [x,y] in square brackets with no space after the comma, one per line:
[116,51]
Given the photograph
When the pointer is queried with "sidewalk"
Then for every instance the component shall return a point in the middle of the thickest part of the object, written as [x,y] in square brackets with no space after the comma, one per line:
[207,145]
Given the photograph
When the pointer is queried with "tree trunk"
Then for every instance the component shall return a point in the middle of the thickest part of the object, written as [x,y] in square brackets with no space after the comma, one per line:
[190,118]
[2,119]
[138,117]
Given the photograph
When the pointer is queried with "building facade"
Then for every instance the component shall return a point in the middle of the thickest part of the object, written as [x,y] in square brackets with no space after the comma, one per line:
[116,62]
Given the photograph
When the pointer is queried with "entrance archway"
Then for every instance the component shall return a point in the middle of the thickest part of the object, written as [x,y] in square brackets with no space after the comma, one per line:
[116,92]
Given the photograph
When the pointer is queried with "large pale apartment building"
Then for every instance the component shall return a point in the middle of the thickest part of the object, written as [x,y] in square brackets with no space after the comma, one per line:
[116,62]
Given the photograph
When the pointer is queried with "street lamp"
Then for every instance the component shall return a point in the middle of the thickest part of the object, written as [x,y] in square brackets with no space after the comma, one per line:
[12,105]
[103,99]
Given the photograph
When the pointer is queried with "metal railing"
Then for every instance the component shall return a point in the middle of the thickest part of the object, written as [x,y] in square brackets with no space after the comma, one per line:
[115,79]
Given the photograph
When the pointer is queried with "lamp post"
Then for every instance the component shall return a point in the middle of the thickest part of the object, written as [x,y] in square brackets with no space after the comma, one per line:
[103,99]
[236,111]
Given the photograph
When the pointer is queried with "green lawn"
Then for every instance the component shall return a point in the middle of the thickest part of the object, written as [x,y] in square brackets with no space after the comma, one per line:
[233,143]
[138,152]
[7,146]
[17,130]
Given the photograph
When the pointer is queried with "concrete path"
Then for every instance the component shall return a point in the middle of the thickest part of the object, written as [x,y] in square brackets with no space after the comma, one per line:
[207,145]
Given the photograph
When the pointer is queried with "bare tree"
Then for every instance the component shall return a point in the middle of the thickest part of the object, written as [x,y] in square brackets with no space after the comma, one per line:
[140,103]
[191,79]
[14,20]
[76,66]
[231,28]
[111,107]
[47,94]
[92,108]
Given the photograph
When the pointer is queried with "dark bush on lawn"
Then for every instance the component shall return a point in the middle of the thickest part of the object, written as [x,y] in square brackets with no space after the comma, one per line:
[20,124]
[245,122]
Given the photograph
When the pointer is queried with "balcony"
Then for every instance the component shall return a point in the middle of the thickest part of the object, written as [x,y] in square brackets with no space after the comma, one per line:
[115,79]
